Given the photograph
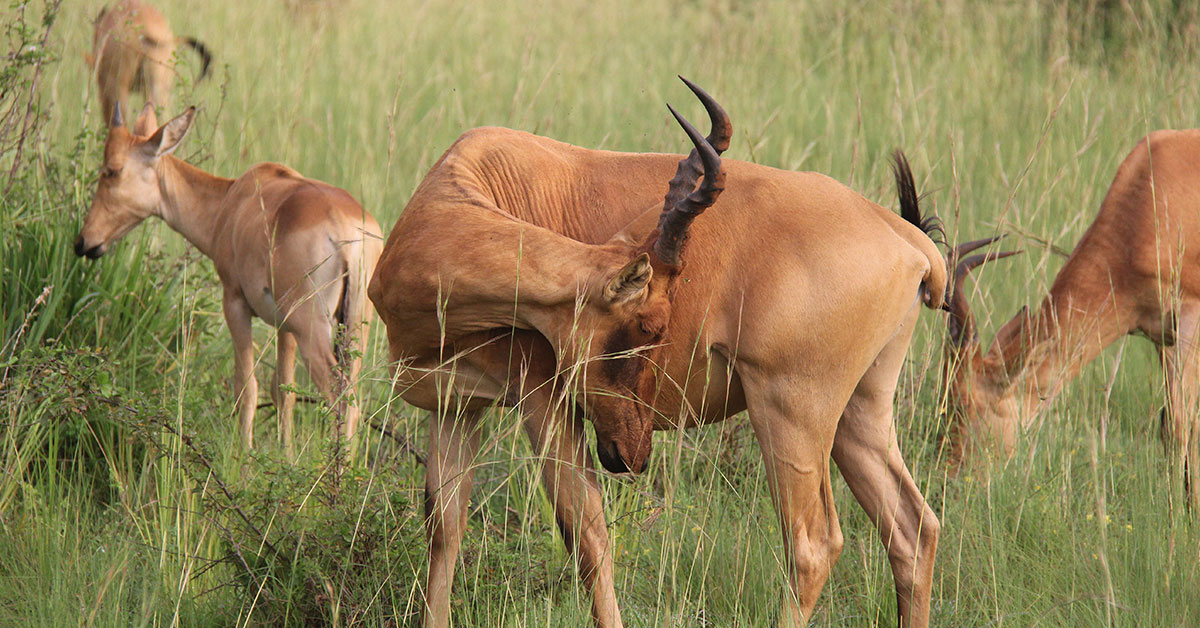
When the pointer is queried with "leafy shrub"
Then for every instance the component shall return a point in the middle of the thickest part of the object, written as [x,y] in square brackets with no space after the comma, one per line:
[318,549]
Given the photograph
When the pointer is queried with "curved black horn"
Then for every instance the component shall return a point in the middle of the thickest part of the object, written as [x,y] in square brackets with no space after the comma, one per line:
[722,129]
[967,247]
[117,120]
[677,216]
[718,138]
[961,323]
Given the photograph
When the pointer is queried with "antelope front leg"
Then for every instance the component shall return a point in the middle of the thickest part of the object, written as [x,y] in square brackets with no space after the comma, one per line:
[572,485]
[449,472]
[1181,425]
[245,386]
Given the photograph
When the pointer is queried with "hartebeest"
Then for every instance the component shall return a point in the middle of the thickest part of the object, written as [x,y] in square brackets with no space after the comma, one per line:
[132,45]
[290,250]
[1136,270]
[528,271]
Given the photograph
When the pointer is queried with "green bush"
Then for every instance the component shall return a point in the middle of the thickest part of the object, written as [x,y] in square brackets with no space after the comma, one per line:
[323,549]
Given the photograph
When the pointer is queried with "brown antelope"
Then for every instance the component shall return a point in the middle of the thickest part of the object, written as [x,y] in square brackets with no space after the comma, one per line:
[290,250]
[133,46]
[527,271]
[1136,270]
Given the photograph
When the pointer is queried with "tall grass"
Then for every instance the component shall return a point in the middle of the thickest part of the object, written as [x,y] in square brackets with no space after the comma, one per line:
[125,498]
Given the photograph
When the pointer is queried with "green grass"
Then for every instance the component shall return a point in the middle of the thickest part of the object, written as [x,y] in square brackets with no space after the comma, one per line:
[1014,114]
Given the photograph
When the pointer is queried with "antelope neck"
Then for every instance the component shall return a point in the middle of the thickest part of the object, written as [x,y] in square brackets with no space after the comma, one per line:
[191,200]
[1068,331]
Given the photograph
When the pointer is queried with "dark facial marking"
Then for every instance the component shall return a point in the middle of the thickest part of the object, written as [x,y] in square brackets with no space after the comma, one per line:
[624,370]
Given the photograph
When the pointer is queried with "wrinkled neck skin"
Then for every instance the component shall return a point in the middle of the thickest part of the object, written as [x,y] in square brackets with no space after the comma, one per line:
[191,200]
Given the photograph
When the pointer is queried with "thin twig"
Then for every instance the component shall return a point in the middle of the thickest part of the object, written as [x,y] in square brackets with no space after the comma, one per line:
[299,399]
[401,440]
[1045,242]
[187,440]
[203,460]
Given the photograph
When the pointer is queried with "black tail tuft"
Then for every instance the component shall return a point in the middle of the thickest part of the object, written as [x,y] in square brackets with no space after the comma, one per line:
[203,51]
[910,202]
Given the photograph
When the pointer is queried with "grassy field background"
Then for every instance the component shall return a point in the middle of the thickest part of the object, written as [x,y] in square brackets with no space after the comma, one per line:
[125,498]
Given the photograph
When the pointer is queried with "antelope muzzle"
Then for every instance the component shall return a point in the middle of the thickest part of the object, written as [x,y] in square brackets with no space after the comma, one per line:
[92,252]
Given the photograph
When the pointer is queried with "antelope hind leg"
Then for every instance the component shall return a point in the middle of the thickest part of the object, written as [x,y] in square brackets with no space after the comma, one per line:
[795,439]
[281,389]
[868,455]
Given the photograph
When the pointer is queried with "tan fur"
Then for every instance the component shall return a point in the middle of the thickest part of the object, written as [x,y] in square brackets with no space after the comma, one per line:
[1136,270]
[132,45]
[796,301]
[293,251]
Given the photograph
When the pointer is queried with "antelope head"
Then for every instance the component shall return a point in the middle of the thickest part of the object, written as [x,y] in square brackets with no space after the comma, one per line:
[129,189]
[617,330]
[982,401]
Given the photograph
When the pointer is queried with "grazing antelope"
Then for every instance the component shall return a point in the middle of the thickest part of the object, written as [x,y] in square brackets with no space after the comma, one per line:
[527,271]
[1136,270]
[290,250]
[133,46]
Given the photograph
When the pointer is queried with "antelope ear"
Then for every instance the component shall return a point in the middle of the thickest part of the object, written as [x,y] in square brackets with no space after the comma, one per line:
[630,281]
[146,122]
[167,138]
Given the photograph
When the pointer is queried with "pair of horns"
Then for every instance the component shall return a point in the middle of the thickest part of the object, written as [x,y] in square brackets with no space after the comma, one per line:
[961,323]
[118,119]
[684,200]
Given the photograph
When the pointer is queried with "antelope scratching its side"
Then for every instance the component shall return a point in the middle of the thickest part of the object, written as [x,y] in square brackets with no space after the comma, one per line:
[527,272]
[291,250]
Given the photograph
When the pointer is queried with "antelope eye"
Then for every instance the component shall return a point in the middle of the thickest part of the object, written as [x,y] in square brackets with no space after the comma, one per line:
[107,173]
[651,328]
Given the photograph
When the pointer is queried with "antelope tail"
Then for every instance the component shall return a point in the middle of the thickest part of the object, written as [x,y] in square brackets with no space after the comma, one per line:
[203,51]
[933,285]
[347,308]
[351,308]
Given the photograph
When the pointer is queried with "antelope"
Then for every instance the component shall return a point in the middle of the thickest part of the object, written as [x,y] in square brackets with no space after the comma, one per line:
[1136,270]
[293,251]
[527,272]
[133,46]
